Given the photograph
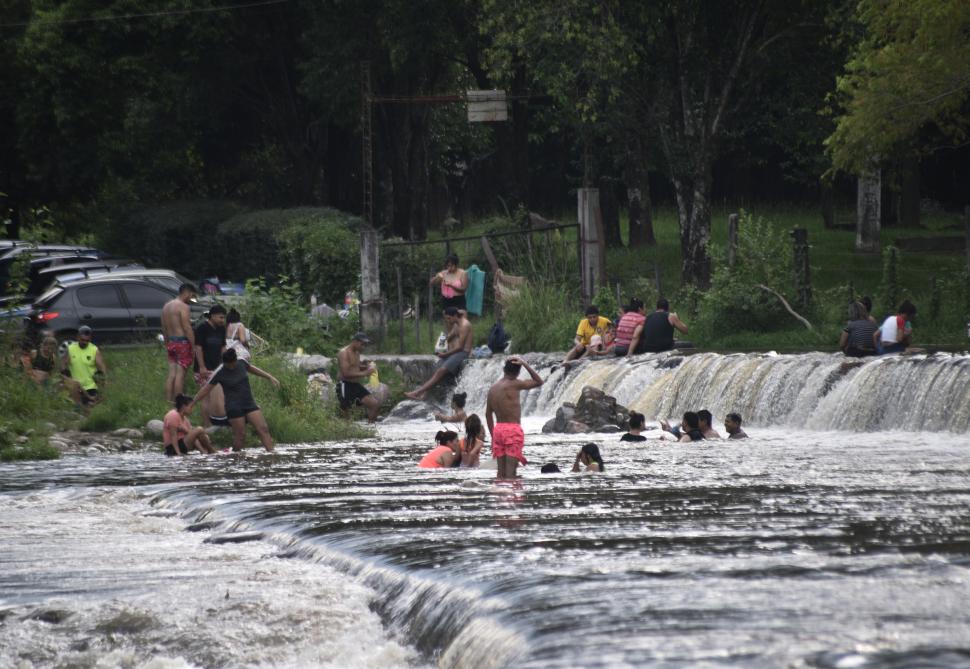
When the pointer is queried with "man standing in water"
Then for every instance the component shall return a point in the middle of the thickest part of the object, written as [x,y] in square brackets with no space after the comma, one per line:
[504,405]
[179,339]
[460,340]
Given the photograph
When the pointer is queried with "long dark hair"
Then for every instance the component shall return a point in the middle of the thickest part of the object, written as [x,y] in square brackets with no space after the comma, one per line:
[445,436]
[593,451]
[473,429]
[458,399]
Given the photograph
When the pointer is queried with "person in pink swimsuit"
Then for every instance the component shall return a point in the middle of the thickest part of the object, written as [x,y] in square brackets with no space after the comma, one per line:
[444,454]
[503,413]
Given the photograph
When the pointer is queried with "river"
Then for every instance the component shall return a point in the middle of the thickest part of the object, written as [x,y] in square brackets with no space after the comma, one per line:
[797,548]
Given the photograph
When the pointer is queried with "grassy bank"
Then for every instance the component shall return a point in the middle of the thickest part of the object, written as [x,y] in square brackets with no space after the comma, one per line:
[545,317]
[134,394]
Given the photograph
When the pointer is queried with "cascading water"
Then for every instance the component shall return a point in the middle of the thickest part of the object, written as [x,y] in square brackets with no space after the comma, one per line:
[814,390]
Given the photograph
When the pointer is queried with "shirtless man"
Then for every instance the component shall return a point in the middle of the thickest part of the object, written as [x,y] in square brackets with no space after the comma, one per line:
[460,342]
[179,339]
[504,407]
[353,372]
[704,418]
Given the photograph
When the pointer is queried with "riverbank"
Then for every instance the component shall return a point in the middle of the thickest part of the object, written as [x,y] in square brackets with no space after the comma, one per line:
[134,394]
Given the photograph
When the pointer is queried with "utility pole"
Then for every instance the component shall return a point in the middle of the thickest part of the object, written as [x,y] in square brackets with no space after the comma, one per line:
[371,302]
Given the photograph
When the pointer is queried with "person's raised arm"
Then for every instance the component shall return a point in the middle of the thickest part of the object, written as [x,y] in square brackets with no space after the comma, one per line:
[201,395]
[677,323]
[535,381]
[253,369]
[635,340]
[436,279]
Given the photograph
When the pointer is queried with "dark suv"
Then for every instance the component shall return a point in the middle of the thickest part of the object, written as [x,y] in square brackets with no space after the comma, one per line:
[116,308]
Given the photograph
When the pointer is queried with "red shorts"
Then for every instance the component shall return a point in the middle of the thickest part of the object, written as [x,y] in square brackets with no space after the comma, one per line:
[508,439]
[179,352]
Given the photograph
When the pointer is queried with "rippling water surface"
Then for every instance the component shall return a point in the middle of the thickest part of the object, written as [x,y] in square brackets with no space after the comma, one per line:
[792,549]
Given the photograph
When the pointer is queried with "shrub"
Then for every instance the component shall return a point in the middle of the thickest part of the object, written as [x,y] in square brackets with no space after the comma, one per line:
[320,250]
[542,318]
[734,301]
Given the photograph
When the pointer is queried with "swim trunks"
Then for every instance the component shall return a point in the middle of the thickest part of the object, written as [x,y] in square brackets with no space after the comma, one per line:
[170,450]
[219,421]
[350,393]
[508,439]
[453,362]
[179,351]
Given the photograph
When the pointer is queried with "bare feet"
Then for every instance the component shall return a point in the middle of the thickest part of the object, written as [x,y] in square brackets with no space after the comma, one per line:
[414,395]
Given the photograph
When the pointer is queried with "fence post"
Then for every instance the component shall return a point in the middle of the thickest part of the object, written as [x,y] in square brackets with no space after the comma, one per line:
[868,211]
[592,250]
[417,320]
[400,312]
[803,270]
[371,305]
[431,311]
[732,238]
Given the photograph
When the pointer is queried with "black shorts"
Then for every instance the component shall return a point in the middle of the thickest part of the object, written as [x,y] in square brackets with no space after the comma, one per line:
[170,450]
[89,396]
[219,421]
[240,412]
[350,393]
[458,302]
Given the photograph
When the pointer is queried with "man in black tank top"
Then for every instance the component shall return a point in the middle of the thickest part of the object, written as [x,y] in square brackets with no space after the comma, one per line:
[658,329]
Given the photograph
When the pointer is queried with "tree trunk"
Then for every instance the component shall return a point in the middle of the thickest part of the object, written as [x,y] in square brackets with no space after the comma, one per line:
[638,198]
[610,210]
[909,193]
[693,210]
[827,203]
[867,212]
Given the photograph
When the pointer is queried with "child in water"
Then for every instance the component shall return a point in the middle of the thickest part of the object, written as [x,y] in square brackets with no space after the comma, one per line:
[636,427]
[589,456]
[471,445]
[457,410]
[444,454]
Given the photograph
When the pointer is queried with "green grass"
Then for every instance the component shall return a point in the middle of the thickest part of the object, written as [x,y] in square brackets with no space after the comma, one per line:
[135,394]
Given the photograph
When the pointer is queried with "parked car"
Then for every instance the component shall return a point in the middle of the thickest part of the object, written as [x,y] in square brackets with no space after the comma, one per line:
[62,252]
[41,276]
[117,308]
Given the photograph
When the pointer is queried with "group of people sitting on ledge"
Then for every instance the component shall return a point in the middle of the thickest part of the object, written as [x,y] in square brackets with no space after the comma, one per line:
[863,336]
[635,332]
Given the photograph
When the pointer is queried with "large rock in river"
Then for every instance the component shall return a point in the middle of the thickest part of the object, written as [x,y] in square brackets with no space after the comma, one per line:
[594,412]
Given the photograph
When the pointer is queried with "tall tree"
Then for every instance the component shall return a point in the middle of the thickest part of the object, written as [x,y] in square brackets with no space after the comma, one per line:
[907,82]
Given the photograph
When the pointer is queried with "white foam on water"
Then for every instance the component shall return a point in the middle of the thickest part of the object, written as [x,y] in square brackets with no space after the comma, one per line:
[95,578]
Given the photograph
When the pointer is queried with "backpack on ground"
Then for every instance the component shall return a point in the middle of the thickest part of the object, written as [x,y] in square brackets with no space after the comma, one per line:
[497,338]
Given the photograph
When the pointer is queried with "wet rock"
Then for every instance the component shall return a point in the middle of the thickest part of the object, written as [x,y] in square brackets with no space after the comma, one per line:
[576,427]
[596,412]
[126,446]
[22,439]
[100,448]
[671,362]
[154,428]
[62,446]
[88,450]
[203,525]
[128,622]
[52,616]
[411,410]
[129,432]
[234,538]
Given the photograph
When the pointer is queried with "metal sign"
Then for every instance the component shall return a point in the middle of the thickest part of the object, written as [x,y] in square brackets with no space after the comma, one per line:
[487,106]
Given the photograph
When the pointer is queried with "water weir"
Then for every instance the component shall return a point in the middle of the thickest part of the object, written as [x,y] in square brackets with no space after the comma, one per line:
[812,390]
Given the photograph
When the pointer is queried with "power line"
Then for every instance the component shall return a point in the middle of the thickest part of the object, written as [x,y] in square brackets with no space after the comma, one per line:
[125,17]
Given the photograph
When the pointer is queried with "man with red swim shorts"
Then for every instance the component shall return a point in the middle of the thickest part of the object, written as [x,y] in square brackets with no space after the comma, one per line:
[179,339]
[503,406]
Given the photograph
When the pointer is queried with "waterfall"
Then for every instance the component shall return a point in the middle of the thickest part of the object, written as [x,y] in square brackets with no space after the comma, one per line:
[820,391]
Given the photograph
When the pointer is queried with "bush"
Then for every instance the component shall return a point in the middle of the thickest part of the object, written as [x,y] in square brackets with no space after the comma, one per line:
[542,318]
[182,236]
[320,250]
[734,302]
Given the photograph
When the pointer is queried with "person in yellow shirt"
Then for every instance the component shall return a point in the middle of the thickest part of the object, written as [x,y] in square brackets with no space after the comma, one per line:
[593,324]
[81,364]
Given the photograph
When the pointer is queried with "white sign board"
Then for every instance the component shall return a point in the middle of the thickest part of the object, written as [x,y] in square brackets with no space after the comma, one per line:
[487,106]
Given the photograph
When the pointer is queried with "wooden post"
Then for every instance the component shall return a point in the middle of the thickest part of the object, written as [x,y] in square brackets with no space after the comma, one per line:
[400,312]
[619,301]
[732,238]
[803,270]
[417,320]
[868,214]
[966,227]
[592,248]
[370,282]
[431,313]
